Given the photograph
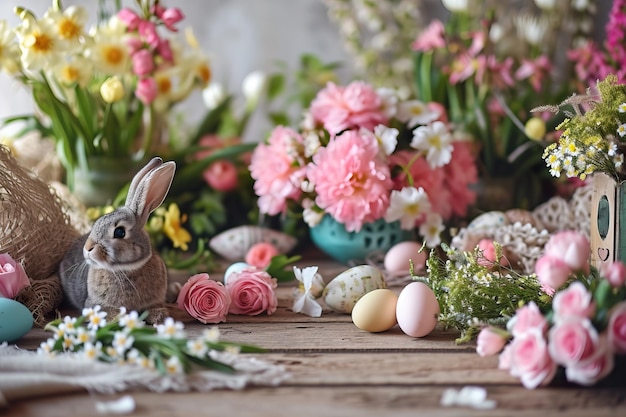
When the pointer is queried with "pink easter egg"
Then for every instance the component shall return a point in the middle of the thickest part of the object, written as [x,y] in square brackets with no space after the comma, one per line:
[417,309]
[397,258]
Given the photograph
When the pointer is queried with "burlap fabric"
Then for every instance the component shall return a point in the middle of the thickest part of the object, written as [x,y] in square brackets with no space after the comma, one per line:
[35,230]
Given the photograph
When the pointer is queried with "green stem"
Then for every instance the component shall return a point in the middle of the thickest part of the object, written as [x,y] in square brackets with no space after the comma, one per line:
[149,132]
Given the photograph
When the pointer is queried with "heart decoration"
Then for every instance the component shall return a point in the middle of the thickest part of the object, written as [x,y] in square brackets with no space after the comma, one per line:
[603,254]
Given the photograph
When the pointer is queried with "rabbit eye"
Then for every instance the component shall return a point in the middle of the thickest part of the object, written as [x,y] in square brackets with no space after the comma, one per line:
[119,232]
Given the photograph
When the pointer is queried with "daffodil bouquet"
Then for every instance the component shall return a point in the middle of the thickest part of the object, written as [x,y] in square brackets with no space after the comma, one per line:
[102,91]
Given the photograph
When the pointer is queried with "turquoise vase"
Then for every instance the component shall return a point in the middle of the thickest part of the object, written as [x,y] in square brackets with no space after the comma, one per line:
[333,239]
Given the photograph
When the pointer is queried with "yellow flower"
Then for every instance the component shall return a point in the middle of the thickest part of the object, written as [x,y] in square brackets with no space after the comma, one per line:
[112,90]
[173,228]
[39,42]
[69,24]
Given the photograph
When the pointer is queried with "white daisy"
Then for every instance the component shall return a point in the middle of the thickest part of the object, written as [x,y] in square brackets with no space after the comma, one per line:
[387,138]
[197,347]
[431,229]
[122,341]
[436,141]
[171,329]
[407,205]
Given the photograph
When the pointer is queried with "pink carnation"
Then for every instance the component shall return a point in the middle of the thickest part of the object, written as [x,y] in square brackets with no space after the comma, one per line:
[252,292]
[204,299]
[459,175]
[12,277]
[351,179]
[277,171]
[354,106]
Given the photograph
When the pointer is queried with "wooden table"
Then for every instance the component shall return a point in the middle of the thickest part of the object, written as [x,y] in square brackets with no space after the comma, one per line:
[338,370]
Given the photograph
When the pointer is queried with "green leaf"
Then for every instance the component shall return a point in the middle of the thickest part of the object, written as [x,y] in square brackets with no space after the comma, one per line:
[275,85]
[277,265]
[211,122]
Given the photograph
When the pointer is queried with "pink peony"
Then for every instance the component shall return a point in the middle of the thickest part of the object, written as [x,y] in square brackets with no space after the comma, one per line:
[617,328]
[574,301]
[489,342]
[252,292]
[12,277]
[593,369]
[530,360]
[526,319]
[351,179]
[571,247]
[277,170]
[204,299]
[354,106]
[614,272]
[552,271]
[260,255]
[573,341]
[222,176]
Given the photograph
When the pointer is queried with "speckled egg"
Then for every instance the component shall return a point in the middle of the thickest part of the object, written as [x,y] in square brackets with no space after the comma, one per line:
[343,291]
[417,309]
[376,311]
[236,267]
[488,220]
[15,320]
[397,259]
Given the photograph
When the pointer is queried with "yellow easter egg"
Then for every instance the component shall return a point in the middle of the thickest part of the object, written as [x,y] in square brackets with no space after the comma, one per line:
[375,311]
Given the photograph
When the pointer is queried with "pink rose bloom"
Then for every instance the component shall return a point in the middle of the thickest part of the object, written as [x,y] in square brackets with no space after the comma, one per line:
[614,272]
[12,277]
[351,179]
[277,170]
[204,299]
[504,359]
[221,176]
[142,62]
[488,251]
[260,255]
[526,319]
[617,328]
[571,247]
[574,301]
[530,360]
[552,271]
[252,292]
[489,342]
[147,90]
[354,106]
[593,369]
[129,18]
[573,341]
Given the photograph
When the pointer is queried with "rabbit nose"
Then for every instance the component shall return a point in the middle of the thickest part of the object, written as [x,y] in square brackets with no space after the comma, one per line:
[89,245]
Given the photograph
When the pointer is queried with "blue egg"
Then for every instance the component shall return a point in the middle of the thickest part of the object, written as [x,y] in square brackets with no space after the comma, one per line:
[15,320]
[236,267]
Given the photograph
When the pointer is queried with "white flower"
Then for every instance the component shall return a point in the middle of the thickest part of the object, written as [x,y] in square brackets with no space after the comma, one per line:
[431,229]
[213,95]
[45,348]
[174,366]
[622,108]
[387,138]
[92,351]
[312,284]
[131,321]
[69,25]
[211,335]
[415,112]
[9,49]
[389,98]
[310,215]
[83,336]
[407,205]
[311,143]
[96,317]
[546,4]
[253,86]
[109,52]
[621,130]
[68,343]
[436,141]
[171,329]
[197,347]
[456,5]
[41,48]
[122,341]
[531,28]
[69,325]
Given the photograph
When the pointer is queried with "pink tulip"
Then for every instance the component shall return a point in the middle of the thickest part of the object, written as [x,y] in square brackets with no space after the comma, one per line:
[615,273]
[489,342]
[12,277]
[571,247]
[147,90]
[222,176]
[552,271]
[143,64]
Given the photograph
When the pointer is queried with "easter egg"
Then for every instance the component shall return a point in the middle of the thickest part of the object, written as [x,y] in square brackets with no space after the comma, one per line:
[488,221]
[15,320]
[417,309]
[375,311]
[236,267]
[397,259]
[343,291]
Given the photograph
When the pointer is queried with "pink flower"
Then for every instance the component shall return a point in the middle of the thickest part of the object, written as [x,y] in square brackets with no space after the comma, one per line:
[574,301]
[504,359]
[170,17]
[459,174]
[489,342]
[530,360]
[12,277]
[431,38]
[252,292]
[593,369]
[222,176]
[129,18]
[260,254]
[354,106]
[142,62]
[572,247]
[488,258]
[351,179]
[148,32]
[165,50]
[616,329]
[527,318]
[147,90]
[573,341]
[534,70]
[552,271]
[277,170]
[615,273]
[204,299]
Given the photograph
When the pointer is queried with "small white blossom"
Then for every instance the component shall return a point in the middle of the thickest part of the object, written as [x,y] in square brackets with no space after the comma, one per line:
[171,329]
[621,130]
[45,348]
[211,335]
[387,138]
[96,317]
[436,141]
[415,112]
[254,85]
[407,205]
[213,95]
[389,98]
[131,321]
[197,347]
[92,351]
[622,108]
[431,229]
[122,341]
[174,366]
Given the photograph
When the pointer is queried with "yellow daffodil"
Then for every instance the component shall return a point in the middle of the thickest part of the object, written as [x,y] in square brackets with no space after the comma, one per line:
[173,228]
[39,42]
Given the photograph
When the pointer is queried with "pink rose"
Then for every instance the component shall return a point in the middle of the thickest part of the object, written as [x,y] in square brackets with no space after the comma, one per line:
[574,301]
[221,176]
[488,251]
[617,328]
[552,271]
[12,277]
[530,360]
[204,299]
[527,318]
[504,360]
[614,272]
[593,369]
[571,247]
[260,255]
[573,341]
[252,292]
[489,342]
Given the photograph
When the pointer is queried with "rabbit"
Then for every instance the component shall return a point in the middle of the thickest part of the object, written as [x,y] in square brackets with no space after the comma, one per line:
[114,265]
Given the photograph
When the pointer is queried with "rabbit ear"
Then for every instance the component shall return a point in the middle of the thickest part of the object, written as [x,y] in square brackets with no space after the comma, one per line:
[151,187]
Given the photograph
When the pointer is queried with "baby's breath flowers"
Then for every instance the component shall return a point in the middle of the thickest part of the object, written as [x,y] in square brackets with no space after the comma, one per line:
[127,340]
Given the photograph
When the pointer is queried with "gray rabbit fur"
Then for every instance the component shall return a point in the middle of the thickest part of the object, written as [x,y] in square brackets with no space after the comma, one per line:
[114,265]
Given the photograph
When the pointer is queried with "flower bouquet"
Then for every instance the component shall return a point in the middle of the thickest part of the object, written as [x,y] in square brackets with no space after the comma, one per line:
[362,155]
